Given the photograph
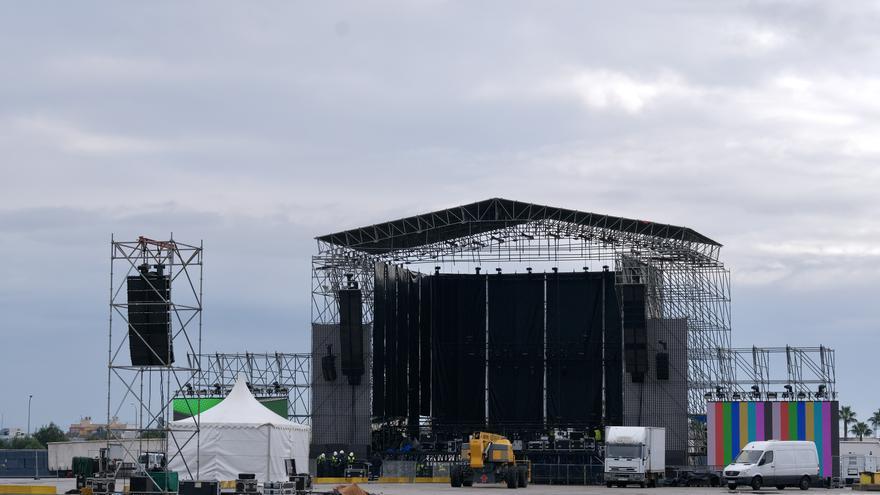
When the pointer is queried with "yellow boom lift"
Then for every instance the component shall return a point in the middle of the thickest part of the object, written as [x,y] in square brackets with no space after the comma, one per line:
[488,458]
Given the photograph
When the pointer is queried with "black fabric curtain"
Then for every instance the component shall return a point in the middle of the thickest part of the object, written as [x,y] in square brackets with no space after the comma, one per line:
[516,343]
[458,324]
[574,347]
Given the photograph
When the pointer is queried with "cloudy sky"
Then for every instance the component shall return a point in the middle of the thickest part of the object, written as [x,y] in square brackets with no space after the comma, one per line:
[256,127]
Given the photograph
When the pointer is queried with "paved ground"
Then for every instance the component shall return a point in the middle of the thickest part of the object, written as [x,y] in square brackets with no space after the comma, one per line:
[61,484]
[432,488]
[65,484]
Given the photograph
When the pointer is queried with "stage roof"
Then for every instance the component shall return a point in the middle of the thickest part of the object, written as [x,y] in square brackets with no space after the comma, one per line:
[486,216]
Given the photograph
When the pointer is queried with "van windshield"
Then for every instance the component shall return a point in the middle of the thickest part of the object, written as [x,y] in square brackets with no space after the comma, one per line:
[622,450]
[748,456]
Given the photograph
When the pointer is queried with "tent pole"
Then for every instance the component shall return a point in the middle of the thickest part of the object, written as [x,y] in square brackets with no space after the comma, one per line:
[269,453]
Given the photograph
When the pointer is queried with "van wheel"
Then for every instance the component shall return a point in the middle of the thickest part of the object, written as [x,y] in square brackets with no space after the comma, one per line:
[756,483]
[609,484]
[780,487]
[731,486]
[805,483]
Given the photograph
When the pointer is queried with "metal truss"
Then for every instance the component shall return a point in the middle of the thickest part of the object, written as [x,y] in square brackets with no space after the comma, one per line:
[150,389]
[269,374]
[786,373]
[681,269]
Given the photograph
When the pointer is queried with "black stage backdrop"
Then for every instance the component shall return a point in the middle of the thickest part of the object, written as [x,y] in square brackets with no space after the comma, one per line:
[429,348]
[379,319]
[613,354]
[425,346]
[413,368]
[516,349]
[458,320]
[577,304]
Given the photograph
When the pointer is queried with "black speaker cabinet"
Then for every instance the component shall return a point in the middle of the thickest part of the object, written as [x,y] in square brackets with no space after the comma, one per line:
[328,365]
[195,487]
[662,361]
[149,318]
[351,334]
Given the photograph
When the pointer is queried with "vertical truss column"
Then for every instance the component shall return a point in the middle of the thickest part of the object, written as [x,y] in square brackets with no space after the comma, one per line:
[151,388]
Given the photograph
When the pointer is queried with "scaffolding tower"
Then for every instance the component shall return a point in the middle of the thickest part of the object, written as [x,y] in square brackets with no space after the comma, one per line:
[149,389]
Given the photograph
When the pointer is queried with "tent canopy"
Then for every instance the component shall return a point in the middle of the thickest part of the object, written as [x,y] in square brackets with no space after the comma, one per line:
[239,435]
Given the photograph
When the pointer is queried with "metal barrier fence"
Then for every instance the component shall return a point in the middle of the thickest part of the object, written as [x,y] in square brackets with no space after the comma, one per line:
[24,463]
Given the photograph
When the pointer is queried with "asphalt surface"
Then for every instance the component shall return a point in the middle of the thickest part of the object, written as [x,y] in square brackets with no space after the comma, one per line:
[64,484]
[431,488]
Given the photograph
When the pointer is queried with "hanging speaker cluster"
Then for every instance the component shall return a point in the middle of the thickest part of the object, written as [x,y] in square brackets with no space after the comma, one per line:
[351,333]
[149,317]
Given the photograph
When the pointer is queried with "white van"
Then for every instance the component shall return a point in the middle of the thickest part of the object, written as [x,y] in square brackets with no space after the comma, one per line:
[774,463]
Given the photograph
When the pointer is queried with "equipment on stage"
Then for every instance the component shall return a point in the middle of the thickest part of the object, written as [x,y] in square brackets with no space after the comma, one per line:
[198,487]
[246,483]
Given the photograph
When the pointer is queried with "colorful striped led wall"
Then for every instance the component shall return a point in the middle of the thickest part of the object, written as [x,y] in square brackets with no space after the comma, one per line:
[731,425]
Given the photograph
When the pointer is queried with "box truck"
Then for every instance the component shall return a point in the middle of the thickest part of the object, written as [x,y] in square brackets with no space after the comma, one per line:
[634,454]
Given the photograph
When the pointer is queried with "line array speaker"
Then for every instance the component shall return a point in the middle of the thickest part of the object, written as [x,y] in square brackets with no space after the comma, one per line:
[351,335]
[149,318]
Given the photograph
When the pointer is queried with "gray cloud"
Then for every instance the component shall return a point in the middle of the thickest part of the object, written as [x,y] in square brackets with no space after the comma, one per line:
[258,128]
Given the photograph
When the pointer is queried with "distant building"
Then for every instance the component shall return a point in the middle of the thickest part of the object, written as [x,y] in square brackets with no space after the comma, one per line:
[86,428]
[10,433]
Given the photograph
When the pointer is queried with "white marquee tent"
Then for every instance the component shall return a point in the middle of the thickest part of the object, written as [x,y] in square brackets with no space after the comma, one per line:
[239,435]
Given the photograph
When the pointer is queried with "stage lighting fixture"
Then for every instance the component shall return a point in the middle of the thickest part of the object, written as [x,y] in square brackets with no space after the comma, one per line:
[498,270]
[436,270]
[801,396]
[756,391]
[529,269]
[555,269]
[477,270]
[788,392]
[586,268]
[707,396]
[604,268]
[217,389]
[821,393]
[772,395]
[736,396]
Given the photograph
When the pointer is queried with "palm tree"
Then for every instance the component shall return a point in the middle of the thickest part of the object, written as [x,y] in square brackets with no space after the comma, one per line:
[847,415]
[861,429]
[875,420]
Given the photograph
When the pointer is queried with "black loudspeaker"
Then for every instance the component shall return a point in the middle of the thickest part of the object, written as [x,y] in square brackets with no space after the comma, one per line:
[328,365]
[193,487]
[149,318]
[141,484]
[662,365]
[635,338]
[351,335]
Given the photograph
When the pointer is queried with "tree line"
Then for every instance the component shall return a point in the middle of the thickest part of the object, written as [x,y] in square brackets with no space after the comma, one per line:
[39,440]
[859,428]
